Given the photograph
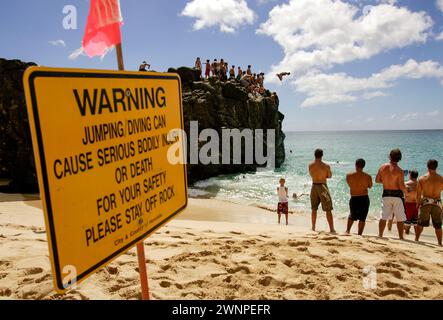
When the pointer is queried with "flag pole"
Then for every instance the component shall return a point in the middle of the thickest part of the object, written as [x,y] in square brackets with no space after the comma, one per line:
[140,246]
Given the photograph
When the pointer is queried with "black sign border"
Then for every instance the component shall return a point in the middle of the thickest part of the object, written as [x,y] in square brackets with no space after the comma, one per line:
[96,75]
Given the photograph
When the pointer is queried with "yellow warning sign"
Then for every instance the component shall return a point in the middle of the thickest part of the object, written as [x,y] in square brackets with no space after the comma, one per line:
[101,142]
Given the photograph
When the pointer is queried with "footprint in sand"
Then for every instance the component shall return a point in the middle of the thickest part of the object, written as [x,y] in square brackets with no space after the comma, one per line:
[32,271]
[394,292]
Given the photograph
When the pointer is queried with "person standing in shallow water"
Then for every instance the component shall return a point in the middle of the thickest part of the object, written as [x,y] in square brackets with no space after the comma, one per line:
[320,173]
[359,182]
[283,200]
[429,191]
[411,202]
[393,179]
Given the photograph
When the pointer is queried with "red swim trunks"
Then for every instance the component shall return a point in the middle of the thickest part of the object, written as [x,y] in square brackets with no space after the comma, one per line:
[282,208]
[411,213]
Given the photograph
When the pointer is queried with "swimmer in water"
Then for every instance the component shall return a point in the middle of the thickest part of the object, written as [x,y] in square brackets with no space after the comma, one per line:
[296,196]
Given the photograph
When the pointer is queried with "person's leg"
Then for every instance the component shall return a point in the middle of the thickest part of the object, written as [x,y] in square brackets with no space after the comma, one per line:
[287,219]
[361,227]
[401,229]
[350,224]
[314,219]
[330,219]
[279,218]
[390,223]
[381,228]
[438,233]
[418,233]
[407,228]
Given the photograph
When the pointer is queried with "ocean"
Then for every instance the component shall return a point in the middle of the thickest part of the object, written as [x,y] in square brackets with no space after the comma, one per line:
[341,150]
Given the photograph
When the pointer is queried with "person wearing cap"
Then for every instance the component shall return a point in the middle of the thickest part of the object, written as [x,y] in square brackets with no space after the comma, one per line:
[143,66]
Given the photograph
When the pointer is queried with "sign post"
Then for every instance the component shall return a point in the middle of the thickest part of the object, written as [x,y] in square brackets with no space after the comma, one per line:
[101,144]
[140,246]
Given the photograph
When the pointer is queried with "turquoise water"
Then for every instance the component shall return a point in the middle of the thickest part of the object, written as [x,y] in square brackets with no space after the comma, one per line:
[341,151]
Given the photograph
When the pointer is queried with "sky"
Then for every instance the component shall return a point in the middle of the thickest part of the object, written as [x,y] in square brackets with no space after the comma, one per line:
[355,64]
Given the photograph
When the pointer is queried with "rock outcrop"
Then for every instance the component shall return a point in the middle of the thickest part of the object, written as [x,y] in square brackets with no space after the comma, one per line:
[217,105]
[214,104]
[16,155]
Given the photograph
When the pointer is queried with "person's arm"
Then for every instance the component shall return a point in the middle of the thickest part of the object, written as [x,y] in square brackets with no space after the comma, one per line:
[419,192]
[287,192]
[370,184]
[329,172]
[379,179]
[347,179]
[401,181]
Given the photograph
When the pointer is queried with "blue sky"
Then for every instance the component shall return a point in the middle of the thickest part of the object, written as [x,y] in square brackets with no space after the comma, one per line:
[356,64]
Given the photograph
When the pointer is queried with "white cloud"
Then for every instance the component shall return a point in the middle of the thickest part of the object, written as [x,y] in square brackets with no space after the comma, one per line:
[228,15]
[440,36]
[434,113]
[57,43]
[440,4]
[318,34]
[323,89]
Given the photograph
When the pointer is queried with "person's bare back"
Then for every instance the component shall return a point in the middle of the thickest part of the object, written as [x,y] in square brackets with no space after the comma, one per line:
[359,183]
[431,186]
[391,176]
[411,191]
[320,172]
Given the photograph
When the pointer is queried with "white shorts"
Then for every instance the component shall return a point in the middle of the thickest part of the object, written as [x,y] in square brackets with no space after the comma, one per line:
[393,208]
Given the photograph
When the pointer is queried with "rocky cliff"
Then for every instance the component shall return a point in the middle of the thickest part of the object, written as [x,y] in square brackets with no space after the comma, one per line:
[16,156]
[218,105]
[213,104]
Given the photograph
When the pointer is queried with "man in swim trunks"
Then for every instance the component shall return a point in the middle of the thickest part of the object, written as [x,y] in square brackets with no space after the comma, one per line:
[429,191]
[393,179]
[359,182]
[411,202]
[320,173]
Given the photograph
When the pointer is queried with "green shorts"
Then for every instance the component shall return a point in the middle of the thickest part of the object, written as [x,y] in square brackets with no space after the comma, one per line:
[320,194]
[430,211]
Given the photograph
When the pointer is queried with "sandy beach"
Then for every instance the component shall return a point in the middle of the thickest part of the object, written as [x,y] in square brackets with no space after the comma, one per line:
[221,250]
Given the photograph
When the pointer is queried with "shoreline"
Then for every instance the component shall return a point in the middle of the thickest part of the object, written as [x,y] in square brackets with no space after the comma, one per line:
[221,250]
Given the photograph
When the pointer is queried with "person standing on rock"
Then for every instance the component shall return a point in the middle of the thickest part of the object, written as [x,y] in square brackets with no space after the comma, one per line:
[232,73]
[239,73]
[214,67]
[198,66]
[249,71]
[320,173]
[207,69]
[143,66]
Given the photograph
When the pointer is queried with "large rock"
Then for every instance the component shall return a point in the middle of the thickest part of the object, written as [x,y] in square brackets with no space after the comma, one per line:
[16,156]
[217,105]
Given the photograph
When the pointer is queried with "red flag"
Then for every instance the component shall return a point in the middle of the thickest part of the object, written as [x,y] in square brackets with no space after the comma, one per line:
[103,27]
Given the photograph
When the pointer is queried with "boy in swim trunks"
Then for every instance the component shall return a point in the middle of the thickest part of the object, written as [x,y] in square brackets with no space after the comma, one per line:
[320,173]
[429,191]
[359,182]
[411,202]
[283,199]
[393,179]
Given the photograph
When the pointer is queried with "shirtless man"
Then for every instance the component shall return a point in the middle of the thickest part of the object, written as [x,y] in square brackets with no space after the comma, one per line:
[393,179]
[429,191]
[320,173]
[411,202]
[359,182]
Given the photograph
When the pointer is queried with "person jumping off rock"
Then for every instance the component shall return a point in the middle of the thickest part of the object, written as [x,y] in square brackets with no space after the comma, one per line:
[283,74]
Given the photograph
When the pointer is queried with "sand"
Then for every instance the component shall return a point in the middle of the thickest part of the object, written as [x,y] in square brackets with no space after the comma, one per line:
[220,250]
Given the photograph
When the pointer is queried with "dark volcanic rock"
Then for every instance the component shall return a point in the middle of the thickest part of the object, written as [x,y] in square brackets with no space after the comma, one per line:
[214,104]
[217,105]
[16,156]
